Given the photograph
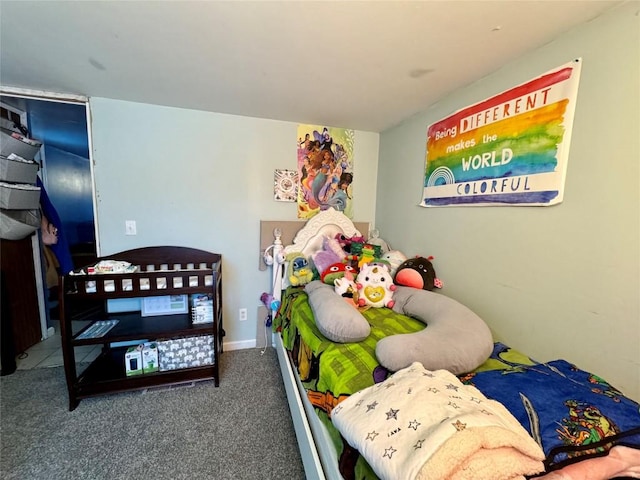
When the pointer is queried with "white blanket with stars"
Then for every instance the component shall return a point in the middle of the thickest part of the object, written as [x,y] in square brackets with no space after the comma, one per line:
[421,424]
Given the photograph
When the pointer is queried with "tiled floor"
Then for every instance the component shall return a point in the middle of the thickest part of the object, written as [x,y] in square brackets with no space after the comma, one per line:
[48,353]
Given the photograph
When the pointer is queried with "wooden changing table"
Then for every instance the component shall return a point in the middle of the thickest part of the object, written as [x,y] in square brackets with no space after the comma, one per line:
[161,271]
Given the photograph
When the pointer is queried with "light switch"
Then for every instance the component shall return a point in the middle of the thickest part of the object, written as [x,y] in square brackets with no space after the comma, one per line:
[130,227]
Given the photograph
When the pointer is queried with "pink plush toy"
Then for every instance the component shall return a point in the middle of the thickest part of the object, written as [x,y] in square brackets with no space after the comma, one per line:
[375,286]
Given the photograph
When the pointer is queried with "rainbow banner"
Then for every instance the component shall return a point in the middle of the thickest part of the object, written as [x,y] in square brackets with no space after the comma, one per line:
[511,149]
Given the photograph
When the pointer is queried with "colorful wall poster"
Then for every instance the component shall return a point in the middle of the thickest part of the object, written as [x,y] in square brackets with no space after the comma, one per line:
[325,169]
[285,185]
[511,149]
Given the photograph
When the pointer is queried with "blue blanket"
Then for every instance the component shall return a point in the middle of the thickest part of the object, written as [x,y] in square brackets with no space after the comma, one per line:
[569,412]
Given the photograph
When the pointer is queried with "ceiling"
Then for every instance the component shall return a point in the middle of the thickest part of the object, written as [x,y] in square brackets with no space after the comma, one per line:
[365,65]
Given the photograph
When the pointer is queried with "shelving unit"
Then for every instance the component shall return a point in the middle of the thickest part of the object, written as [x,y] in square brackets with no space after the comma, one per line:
[160,271]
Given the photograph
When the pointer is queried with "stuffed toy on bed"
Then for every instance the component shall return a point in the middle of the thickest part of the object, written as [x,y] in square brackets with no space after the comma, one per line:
[337,271]
[375,286]
[394,258]
[346,287]
[365,252]
[417,272]
[299,272]
[346,242]
[330,254]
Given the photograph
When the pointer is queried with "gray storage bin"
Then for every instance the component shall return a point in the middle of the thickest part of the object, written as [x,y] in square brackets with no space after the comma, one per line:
[185,352]
[12,142]
[18,171]
[18,224]
[19,196]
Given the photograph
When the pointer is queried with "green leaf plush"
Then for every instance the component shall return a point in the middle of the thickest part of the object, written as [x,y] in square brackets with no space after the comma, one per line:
[456,339]
[335,318]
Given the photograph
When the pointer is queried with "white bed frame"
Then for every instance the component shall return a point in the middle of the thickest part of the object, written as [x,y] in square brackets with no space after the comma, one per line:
[319,455]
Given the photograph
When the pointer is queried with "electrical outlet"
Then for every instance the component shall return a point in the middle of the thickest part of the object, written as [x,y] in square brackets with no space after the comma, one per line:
[242,314]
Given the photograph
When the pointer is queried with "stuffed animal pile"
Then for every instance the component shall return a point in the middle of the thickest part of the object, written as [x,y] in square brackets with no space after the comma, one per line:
[366,276]
[338,267]
[341,258]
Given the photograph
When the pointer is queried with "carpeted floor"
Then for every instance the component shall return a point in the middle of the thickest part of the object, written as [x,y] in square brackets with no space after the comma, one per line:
[239,430]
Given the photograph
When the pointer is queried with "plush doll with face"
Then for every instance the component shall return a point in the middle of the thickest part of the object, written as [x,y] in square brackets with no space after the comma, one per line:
[299,271]
[417,272]
[336,271]
[375,286]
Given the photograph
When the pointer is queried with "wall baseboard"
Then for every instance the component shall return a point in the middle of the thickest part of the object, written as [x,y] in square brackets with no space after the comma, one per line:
[229,346]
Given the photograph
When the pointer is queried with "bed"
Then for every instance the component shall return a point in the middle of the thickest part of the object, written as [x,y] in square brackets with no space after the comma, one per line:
[581,426]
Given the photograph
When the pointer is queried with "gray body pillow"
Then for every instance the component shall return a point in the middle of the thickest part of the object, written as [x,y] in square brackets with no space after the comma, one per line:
[335,318]
[456,339]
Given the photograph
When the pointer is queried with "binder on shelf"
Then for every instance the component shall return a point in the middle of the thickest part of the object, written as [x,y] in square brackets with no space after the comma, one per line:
[202,308]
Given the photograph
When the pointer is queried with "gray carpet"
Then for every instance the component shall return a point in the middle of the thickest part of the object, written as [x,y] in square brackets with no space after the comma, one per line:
[239,430]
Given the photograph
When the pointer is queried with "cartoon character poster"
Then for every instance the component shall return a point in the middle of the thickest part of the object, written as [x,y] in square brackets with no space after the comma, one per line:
[325,170]
[511,149]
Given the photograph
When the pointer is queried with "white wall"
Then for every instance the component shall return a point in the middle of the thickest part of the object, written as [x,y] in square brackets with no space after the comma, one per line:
[204,180]
[553,282]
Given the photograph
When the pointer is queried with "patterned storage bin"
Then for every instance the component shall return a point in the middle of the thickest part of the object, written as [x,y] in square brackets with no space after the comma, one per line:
[185,352]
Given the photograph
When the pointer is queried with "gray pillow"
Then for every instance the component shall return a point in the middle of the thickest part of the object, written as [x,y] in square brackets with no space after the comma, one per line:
[456,339]
[336,319]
